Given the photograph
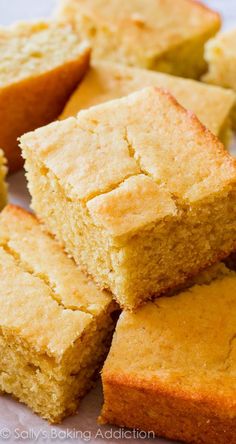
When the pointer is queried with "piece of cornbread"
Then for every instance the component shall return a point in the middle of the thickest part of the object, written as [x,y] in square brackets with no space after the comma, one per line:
[175,359]
[55,325]
[137,190]
[106,81]
[3,184]
[220,54]
[41,64]
[162,35]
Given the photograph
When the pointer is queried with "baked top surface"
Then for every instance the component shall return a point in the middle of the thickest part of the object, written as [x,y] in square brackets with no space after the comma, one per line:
[147,133]
[156,24]
[30,49]
[181,344]
[55,302]
[106,81]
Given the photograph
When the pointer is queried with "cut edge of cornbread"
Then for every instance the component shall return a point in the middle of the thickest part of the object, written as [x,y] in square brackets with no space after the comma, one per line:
[175,359]
[47,61]
[51,348]
[127,245]
[3,183]
[106,81]
[114,35]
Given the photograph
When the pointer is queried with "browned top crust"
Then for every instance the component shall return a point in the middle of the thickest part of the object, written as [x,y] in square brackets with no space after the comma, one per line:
[146,133]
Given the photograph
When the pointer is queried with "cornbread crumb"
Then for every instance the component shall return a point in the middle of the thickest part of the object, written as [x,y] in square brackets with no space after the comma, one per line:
[55,325]
[163,35]
[175,359]
[141,186]
[3,183]
[106,81]
[220,54]
[41,64]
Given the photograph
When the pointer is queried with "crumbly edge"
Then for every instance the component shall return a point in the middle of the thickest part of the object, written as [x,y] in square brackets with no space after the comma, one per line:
[54,390]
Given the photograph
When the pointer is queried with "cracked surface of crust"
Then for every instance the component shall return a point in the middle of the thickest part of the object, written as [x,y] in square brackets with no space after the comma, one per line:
[55,301]
[147,133]
[141,186]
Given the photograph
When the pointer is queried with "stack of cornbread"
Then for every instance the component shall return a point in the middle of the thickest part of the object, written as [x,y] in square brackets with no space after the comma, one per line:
[134,195]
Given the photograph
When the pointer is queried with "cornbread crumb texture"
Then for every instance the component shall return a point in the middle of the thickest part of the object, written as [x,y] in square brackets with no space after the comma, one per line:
[37,47]
[41,64]
[176,359]
[106,81]
[150,34]
[54,323]
[3,183]
[149,192]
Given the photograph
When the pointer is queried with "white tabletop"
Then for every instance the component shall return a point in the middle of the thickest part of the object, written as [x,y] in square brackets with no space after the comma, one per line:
[17,422]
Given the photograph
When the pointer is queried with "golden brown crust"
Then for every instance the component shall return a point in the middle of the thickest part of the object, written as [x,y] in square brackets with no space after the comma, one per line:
[194,419]
[174,358]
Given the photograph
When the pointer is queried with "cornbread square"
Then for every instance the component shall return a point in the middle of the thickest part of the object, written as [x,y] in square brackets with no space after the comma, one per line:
[137,190]
[220,54]
[106,81]
[175,359]
[163,35]
[3,184]
[55,325]
[41,64]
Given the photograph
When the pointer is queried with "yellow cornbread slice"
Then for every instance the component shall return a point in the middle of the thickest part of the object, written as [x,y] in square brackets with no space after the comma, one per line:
[175,359]
[55,325]
[220,54]
[3,184]
[41,64]
[137,190]
[162,35]
[106,81]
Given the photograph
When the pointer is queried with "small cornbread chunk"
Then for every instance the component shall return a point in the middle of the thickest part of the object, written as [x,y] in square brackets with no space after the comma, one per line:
[175,359]
[3,183]
[41,64]
[137,190]
[106,81]
[220,54]
[55,325]
[163,35]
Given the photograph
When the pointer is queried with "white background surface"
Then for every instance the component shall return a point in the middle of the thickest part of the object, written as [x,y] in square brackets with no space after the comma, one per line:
[16,419]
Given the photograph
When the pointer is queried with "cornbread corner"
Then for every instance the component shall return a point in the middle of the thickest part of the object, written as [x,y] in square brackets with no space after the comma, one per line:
[162,35]
[175,359]
[137,190]
[3,183]
[55,325]
[106,81]
[41,64]
[220,54]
